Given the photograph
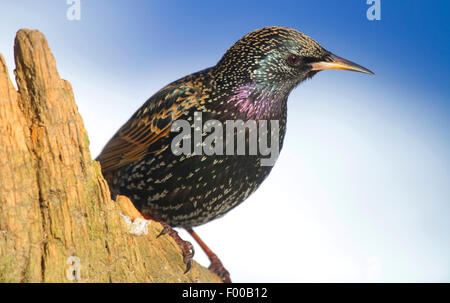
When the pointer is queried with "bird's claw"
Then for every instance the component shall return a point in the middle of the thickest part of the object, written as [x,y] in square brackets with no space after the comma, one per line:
[188,254]
[217,267]
[164,231]
[185,246]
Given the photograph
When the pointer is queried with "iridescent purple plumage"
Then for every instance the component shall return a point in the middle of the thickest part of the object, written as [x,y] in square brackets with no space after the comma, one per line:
[258,102]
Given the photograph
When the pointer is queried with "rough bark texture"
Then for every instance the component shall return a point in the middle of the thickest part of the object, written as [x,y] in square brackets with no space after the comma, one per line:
[54,202]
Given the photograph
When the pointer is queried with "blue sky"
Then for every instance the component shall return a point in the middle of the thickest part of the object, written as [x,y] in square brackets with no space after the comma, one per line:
[361,191]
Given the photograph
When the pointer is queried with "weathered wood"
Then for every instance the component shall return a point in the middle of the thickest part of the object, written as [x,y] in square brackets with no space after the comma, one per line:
[54,201]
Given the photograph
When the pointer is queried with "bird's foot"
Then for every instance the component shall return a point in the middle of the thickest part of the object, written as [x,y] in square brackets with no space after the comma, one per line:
[186,247]
[217,267]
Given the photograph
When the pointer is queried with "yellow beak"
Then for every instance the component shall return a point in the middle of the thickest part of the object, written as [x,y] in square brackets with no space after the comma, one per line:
[335,62]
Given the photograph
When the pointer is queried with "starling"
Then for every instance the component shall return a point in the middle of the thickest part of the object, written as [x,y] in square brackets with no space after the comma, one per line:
[251,82]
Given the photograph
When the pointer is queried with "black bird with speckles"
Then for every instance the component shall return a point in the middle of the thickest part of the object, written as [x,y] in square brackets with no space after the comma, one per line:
[252,81]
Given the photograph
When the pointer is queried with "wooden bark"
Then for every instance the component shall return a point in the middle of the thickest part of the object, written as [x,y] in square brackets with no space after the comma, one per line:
[55,206]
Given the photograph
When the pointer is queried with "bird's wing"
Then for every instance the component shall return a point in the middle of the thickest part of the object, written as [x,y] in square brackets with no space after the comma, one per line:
[142,134]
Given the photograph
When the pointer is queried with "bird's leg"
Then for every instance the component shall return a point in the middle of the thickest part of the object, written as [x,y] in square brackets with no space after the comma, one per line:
[185,246]
[216,266]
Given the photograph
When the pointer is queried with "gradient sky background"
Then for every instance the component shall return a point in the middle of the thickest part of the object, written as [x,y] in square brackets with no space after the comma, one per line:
[361,191]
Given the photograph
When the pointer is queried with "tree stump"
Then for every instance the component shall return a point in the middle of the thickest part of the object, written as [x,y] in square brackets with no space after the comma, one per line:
[57,220]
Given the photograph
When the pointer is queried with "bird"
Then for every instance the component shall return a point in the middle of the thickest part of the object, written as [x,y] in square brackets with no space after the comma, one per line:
[250,82]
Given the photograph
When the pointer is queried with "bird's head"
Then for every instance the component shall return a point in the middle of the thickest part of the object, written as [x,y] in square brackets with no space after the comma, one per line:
[279,57]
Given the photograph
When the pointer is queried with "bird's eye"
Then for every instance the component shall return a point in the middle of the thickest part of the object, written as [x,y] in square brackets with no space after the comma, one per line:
[293,60]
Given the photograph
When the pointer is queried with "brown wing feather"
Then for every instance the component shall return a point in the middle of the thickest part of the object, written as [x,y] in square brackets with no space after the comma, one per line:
[153,121]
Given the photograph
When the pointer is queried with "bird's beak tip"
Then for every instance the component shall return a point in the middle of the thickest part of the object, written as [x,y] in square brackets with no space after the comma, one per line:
[335,62]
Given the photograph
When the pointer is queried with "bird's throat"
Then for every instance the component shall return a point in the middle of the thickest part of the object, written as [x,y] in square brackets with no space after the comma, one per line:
[259,102]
